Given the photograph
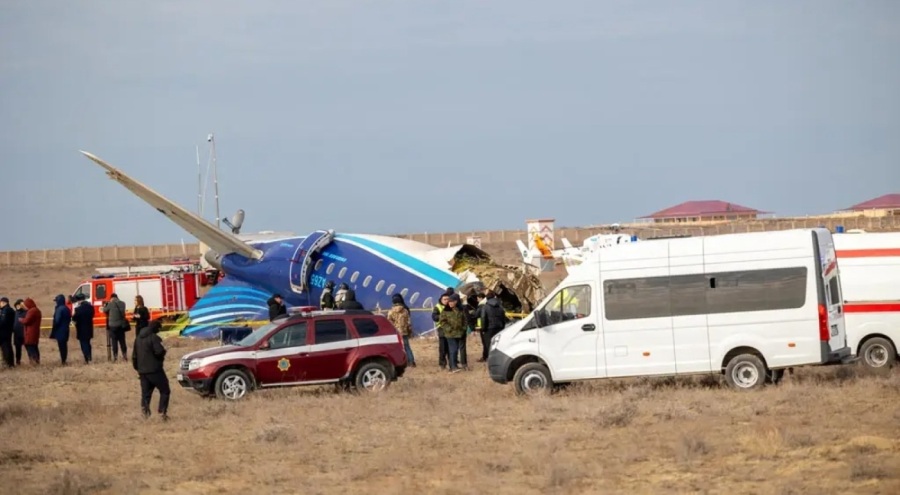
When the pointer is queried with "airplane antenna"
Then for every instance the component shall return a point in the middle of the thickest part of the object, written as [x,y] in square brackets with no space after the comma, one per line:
[215,176]
[199,185]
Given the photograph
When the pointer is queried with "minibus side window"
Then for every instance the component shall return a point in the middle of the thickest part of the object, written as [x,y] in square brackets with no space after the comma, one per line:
[570,303]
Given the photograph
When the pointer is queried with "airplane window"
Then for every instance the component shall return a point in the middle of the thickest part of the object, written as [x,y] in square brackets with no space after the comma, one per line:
[415,296]
[354,277]
[379,285]
[390,289]
[429,303]
[404,292]
[342,272]
[330,269]
[367,281]
[318,264]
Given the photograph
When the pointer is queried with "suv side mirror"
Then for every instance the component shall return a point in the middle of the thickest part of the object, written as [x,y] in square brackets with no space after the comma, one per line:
[265,345]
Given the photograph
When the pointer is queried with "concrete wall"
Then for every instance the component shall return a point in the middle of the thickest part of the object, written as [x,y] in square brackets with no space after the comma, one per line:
[491,240]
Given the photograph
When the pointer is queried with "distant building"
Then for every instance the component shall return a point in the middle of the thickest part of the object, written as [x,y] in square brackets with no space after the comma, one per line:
[882,206]
[703,211]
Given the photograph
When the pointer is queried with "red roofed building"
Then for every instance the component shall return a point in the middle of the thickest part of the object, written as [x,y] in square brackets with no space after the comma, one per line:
[882,206]
[704,211]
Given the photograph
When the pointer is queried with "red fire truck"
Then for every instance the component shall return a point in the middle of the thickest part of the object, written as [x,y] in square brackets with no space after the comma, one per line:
[168,290]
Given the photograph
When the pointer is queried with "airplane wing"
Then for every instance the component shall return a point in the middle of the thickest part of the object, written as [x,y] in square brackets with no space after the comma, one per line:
[218,240]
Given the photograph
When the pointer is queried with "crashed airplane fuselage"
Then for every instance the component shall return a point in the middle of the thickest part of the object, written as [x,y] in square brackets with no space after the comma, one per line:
[298,267]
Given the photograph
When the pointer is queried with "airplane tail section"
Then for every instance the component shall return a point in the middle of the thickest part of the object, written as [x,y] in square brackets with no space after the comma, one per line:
[527,255]
[566,244]
[218,240]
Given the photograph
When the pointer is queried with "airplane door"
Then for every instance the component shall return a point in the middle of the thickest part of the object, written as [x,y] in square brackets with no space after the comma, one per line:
[569,334]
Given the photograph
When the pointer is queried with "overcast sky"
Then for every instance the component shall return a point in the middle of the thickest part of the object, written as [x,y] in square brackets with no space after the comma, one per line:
[395,117]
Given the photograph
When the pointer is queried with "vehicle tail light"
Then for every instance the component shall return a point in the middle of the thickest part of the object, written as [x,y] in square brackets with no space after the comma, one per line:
[824,333]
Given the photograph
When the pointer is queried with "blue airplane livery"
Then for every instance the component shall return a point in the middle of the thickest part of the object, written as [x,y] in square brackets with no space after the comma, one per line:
[298,267]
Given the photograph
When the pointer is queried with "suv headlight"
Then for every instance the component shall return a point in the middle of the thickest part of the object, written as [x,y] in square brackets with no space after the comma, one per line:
[193,364]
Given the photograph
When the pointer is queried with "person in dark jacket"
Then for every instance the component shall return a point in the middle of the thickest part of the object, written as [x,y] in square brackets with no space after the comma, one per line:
[493,317]
[350,301]
[62,319]
[83,317]
[7,326]
[147,357]
[19,330]
[32,327]
[327,299]
[116,326]
[276,307]
[140,316]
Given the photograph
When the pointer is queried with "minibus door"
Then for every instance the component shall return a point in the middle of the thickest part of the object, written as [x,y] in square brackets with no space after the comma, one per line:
[568,333]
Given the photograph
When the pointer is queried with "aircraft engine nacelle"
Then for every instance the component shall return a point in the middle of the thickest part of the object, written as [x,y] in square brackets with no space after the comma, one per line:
[237,220]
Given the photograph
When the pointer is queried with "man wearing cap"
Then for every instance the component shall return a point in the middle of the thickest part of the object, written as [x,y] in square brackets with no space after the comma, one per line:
[276,307]
[7,325]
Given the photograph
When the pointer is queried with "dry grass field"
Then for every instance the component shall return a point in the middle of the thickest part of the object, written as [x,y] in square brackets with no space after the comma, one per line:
[78,430]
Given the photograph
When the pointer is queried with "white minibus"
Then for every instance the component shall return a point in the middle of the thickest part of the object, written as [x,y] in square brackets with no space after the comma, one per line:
[746,305]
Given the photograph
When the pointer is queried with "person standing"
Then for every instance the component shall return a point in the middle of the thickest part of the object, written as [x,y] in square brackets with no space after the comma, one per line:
[62,319]
[140,316]
[7,327]
[19,330]
[83,317]
[493,318]
[147,357]
[453,323]
[276,307]
[116,324]
[327,299]
[32,327]
[442,339]
[400,318]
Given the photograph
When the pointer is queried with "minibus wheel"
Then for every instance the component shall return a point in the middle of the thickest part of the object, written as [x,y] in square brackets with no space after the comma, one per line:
[745,372]
[878,353]
[532,379]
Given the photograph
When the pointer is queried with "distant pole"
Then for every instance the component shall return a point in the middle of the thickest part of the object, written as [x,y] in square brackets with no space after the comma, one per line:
[199,185]
[215,177]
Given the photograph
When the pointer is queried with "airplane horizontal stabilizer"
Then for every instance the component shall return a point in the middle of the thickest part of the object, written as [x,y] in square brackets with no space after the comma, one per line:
[218,240]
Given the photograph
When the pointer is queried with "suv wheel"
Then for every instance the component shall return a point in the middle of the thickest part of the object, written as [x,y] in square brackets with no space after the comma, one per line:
[232,385]
[372,377]
[532,379]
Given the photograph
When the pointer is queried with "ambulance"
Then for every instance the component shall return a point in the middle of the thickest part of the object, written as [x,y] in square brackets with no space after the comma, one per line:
[870,282]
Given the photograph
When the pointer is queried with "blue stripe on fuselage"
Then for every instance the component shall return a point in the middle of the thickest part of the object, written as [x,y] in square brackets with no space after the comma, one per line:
[442,277]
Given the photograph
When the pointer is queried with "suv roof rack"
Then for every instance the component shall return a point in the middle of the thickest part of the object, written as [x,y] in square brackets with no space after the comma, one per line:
[305,313]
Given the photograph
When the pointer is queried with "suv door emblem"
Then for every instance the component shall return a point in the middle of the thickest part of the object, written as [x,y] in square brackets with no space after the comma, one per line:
[284,364]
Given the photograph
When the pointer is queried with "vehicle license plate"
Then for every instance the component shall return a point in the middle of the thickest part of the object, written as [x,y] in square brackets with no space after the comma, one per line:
[179,377]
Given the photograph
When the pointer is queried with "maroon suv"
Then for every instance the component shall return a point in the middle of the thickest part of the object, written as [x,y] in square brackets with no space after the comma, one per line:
[352,348]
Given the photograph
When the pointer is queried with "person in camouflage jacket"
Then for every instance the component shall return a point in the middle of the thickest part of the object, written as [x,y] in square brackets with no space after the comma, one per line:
[453,322]
[399,317]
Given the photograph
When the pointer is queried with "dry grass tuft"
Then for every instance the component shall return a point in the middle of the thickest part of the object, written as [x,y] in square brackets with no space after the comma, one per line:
[865,470]
[691,447]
